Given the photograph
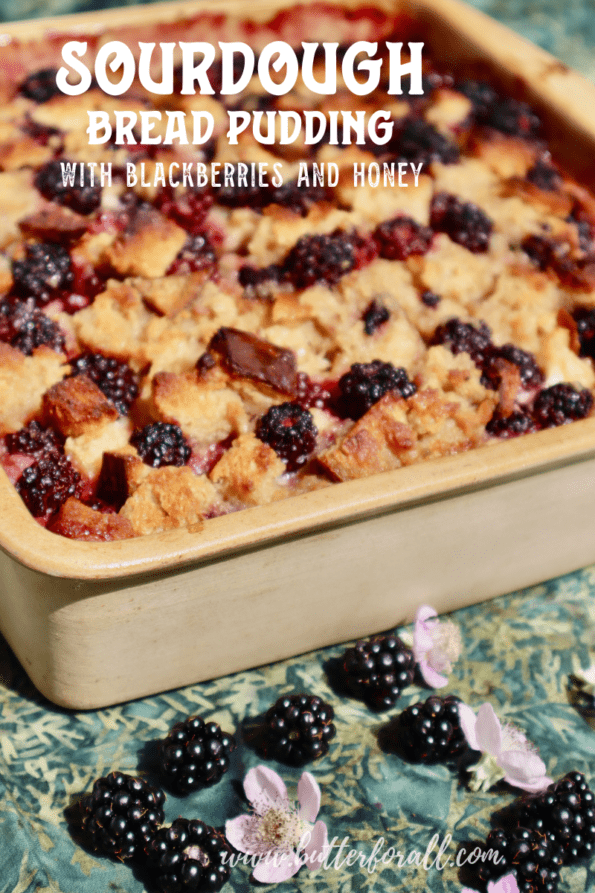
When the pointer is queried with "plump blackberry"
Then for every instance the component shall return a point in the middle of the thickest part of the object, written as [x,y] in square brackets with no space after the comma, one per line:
[565,814]
[366,383]
[40,86]
[512,425]
[463,222]
[290,430]
[319,258]
[259,282]
[116,379]
[45,270]
[401,237]
[25,326]
[188,210]
[197,254]
[34,440]
[47,483]
[377,670]
[525,853]
[507,115]
[298,728]
[544,175]
[298,199]
[419,142]
[561,403]
[195,754]
[121,815]
[82,199]
[462,337]
[188,855]
[430,731]
[375,315]
[161,444]
[584,318]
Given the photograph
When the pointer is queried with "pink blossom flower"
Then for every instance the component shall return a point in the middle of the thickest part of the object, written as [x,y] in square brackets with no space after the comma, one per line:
[280,834]
[506,884]
[506,752]
[436,646]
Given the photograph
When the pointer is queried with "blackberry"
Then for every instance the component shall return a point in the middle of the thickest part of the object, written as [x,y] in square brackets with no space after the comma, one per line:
[161,444]
[541,251]
[298,199]
[418,142]
[319,258]
[47,483]
[544,175]
[524,852]
[188,855]
[401,237]
[45,270]
[430,731]
[197,254]
[121,814]
[25,326]
[430,299]
[298,729]
[116,379]
[560,404]
[195,754]
[377,670]
[531,374]
[290,430]
[462,337]
[40,86]
[512,425]
[508,115]
[565,814]
[584,318]
[34,440]
[366,383]
[82,199]
[188,210]
[374,316]
[463,222]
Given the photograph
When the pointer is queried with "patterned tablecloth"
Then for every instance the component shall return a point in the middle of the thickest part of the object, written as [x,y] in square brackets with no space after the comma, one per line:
[518,652]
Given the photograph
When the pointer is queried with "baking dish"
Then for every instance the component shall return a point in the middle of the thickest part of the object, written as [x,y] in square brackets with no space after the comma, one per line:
[94,624]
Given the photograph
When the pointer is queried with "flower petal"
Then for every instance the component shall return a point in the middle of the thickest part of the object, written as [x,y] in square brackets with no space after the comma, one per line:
[468,722]
[264,788]
[308,797]
[488,730]
[277,867]
[430,676]
[238,833]
[524,770]
[316,849]
[506,884]
[424,613]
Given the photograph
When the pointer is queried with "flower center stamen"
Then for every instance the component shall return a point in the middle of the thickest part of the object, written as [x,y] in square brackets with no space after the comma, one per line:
[446,646]
[280,828]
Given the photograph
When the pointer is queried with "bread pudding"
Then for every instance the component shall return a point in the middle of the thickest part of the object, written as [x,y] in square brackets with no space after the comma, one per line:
[196,326]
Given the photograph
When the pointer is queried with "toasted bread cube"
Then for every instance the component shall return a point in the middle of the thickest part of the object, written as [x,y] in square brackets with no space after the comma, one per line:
[167,498]
[77,406]
[248,473]
[80,522]
[121,474]
[148,247]
[168,295]
[114,323]
[204,410]
[86,451]
[23,382]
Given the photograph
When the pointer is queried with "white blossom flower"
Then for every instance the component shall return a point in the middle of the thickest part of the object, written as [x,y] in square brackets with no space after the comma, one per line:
[281,834]
[506,752]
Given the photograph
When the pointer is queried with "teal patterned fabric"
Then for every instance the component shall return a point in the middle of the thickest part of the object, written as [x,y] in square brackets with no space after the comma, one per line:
[518,653]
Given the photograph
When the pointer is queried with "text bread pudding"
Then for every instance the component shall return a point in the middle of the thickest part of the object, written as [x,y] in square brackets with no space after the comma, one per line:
[208,305]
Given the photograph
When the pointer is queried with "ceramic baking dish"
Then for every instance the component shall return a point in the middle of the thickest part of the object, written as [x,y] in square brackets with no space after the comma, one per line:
[99,623]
